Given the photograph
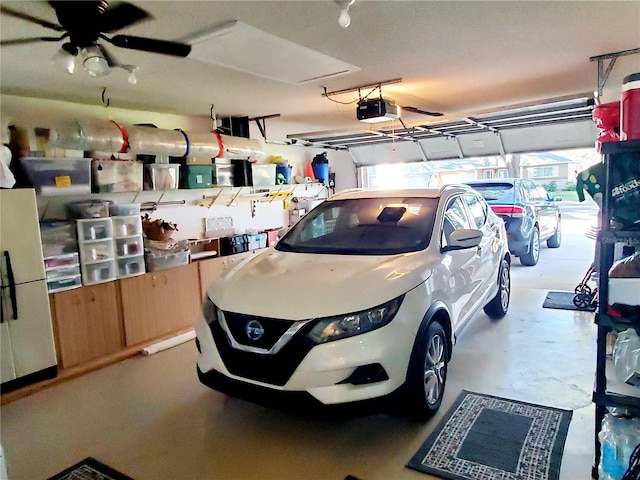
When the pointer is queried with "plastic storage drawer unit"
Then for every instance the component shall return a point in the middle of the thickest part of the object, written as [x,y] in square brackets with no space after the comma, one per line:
[94,229]
[130,266]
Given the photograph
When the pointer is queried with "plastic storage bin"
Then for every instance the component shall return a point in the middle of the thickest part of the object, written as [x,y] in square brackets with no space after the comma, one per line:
[126,226]
[94,229]
[88,209]
[65,283]
[130,266]
[98,272]
[223,174]
[263,175]
[61,261]
[96,251]
[169,260]
[124,210]
[196,176]
[116,176]
[128,246]
[58,176]
[161,176]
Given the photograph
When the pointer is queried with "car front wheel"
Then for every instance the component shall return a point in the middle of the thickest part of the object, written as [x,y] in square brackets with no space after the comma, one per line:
[531,257]
[498,306]
[427,375]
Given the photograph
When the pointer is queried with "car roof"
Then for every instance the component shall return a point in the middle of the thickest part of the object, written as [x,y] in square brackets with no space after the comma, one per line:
[492,180]
[431,192]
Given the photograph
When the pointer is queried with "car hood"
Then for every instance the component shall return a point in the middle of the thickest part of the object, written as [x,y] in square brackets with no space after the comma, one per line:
[299,286]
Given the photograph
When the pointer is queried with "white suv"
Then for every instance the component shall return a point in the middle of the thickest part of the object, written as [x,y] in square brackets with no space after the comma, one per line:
[360,300]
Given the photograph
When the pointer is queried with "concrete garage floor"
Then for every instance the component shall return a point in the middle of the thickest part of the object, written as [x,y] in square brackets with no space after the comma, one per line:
[150,418]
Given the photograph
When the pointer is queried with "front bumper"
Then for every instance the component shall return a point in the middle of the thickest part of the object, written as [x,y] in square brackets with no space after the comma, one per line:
[318,373]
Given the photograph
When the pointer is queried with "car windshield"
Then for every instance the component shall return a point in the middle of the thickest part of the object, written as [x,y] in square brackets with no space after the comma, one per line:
[496,192]
[364,226]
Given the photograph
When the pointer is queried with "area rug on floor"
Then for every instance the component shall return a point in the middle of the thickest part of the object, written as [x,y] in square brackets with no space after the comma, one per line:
[562,301]
[90,469]
[482,436]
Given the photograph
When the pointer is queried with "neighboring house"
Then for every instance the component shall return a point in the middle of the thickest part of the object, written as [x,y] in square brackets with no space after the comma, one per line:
[543,167]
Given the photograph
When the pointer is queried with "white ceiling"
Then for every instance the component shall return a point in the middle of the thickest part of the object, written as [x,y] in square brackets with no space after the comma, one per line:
[455,57]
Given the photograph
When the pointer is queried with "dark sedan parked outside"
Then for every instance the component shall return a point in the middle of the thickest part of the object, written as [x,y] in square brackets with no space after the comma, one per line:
[530,215]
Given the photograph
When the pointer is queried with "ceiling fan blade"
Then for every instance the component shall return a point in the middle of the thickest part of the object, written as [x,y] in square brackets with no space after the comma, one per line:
[29,18]
[24,41]
[163,47]
[422,112]
[120,16]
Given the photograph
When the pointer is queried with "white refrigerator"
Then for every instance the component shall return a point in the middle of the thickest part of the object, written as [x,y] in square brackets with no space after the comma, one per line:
[27,349]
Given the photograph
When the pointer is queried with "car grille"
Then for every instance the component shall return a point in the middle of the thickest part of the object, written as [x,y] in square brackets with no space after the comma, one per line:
[273,329]
[274,369]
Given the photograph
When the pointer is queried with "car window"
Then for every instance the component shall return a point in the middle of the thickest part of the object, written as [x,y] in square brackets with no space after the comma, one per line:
[496,193]
[532,192]
[455,218]
[542,193]
[364,226]
[477,208]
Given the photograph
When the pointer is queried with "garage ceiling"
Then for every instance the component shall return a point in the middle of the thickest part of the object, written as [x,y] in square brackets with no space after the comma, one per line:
[454,57]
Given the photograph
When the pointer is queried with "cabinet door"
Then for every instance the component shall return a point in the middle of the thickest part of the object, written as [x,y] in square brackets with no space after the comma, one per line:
[159,303]
[87,323]
[210,272]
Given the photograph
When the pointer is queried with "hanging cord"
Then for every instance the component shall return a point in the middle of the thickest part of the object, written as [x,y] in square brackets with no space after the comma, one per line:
[212,115]
[106,104]
[633,472]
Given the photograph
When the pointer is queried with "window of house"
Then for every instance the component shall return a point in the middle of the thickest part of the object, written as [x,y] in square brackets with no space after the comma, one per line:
[542,172]
[503,173]
[488,174]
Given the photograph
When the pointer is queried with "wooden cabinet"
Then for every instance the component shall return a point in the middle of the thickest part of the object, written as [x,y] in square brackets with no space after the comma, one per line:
[210,272]
[87,323]
[158,303]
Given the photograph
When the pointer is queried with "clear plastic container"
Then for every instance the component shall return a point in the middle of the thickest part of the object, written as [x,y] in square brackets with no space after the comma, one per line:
[58,176]
[129,246]
[169,260]
[127,226]
[96,251]
[61,261]
[66,283]
[124,210]
[162,176]
[98,272]
[130,266]
[94,229]
[111,176]
[63,272]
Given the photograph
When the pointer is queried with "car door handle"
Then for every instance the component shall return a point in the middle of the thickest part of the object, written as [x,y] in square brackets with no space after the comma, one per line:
[479,251]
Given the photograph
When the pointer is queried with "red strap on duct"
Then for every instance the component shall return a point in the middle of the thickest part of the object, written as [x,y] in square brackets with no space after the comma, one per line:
[220,144]
[125,138]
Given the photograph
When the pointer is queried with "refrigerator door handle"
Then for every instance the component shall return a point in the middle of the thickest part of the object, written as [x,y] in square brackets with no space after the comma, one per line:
[11,286]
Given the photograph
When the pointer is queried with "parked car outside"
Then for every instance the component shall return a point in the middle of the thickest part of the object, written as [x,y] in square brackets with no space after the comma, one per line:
[530,215]
[361,299]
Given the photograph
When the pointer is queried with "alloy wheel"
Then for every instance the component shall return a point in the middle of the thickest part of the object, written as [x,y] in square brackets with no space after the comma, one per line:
[505,286]
[434,369]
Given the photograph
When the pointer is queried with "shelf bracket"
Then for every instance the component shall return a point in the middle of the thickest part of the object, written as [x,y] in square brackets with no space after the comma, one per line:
[260,122]
[605,71]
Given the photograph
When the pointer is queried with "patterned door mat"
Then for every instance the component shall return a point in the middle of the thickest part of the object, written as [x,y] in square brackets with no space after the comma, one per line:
[90,469]
[487,437]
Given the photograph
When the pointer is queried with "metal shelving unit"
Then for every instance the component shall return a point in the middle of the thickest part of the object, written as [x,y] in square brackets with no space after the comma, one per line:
[608,390]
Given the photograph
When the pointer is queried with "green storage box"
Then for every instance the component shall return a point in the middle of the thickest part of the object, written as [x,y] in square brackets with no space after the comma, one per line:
[197,176]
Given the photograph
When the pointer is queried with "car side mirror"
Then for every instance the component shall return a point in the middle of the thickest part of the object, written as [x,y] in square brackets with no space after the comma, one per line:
[557,198]
[463,238]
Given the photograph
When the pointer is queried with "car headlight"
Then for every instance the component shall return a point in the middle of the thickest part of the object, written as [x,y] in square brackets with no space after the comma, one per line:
[343,326]
[209,311]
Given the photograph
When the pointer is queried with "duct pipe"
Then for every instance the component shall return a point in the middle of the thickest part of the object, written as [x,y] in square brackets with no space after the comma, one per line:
[114,138]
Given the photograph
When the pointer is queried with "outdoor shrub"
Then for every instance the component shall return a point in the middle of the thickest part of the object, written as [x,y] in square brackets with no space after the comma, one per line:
[551,186]
[570,186]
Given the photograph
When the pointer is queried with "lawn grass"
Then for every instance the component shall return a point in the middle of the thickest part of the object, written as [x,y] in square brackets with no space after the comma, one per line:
[567,195]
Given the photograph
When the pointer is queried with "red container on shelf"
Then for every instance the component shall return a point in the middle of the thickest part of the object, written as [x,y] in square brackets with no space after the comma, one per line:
[606,116]
[630,108]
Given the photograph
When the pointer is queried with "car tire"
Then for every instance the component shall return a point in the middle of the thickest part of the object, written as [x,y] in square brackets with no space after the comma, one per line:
[427,373]
[533,255]
[499,305]
[554,241]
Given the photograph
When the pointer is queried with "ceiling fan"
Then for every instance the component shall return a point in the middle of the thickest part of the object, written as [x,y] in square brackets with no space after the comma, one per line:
[83,23]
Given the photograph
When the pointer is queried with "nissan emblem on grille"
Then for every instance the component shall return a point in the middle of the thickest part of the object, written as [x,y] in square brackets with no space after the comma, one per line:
[254,330]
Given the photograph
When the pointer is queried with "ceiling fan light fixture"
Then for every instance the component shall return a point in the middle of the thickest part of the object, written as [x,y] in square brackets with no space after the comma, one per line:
[131,78]
[65,58]
[94,61]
